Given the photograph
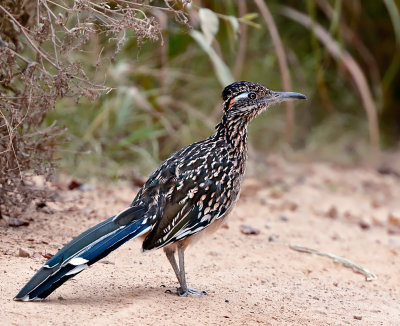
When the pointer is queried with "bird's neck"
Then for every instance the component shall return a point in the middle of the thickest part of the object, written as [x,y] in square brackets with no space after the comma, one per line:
[234,132]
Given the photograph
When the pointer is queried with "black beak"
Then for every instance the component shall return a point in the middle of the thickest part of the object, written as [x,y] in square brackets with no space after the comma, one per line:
[285,96]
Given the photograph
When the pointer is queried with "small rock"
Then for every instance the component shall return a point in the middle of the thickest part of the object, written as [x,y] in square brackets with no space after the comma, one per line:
[364,225]
[273,237]
[23,252]
[332,212]
[60,298]
[226,300]
[74,184]
[107,262]
[357,317]
[249,230]
[283,218]
[40,205]
[16,222]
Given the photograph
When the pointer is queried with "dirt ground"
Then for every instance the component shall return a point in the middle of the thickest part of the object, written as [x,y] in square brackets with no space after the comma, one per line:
[250,278]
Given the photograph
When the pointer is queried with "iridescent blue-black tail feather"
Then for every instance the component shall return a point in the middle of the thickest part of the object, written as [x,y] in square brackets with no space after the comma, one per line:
[83,251]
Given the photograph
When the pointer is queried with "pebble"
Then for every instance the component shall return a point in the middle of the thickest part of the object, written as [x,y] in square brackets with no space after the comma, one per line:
[273,237]
[249,230]
[332,212]
[16,222]
[364,225]
[23,252]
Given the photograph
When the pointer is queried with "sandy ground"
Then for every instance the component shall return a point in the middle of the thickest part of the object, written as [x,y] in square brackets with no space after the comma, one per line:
[250,279]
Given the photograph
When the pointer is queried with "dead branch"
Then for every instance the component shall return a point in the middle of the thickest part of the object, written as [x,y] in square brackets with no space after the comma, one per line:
[369,276]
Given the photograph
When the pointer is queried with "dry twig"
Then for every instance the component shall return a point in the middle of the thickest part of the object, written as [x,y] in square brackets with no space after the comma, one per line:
[369,276]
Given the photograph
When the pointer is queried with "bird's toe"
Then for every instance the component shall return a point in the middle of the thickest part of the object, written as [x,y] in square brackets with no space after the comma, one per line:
[186,292]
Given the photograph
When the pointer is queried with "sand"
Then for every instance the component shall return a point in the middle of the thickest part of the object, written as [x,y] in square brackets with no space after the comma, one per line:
[250,278]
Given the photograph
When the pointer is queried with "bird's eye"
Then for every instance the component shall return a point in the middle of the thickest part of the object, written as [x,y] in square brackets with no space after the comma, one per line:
[252,96]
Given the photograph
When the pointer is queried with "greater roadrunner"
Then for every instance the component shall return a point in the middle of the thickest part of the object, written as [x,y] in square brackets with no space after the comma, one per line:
[194,190]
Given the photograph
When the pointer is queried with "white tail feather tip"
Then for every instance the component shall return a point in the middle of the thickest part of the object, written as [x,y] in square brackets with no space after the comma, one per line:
[78,261]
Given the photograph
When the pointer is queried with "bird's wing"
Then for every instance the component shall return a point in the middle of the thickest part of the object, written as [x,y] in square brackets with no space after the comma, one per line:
[198,193]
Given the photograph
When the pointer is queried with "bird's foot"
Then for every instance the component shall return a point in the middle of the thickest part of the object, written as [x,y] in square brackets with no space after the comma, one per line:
[189,291]
[185,292]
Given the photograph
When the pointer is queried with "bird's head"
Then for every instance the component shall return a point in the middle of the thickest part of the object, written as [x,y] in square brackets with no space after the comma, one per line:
[245,100]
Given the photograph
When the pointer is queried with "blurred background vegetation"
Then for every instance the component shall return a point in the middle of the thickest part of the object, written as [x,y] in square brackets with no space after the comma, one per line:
[165,91]
[167,94]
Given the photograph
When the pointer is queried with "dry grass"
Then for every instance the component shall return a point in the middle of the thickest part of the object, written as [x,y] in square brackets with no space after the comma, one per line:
[36,42]
[351,65]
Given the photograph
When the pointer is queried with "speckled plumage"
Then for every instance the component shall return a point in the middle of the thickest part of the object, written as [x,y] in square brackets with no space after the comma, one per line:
[192,190]
[201,182]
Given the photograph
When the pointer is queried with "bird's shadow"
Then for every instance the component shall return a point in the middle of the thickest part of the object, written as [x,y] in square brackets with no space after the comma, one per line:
[112,296]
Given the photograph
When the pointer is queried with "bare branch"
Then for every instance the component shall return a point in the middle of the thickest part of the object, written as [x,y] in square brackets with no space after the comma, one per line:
[30,86]
[369,276]
[22,28]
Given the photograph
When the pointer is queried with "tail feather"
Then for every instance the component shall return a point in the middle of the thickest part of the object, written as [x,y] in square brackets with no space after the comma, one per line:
[86,249]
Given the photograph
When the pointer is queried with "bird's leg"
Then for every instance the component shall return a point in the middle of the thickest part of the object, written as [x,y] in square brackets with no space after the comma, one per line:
[183,290]
[182,277]
[171,258]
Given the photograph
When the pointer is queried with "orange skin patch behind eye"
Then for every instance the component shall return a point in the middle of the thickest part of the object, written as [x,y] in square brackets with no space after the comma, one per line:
[230,102]
[242,95]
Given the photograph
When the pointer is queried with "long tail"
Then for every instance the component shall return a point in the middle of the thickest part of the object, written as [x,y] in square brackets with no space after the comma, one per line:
[85,250]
